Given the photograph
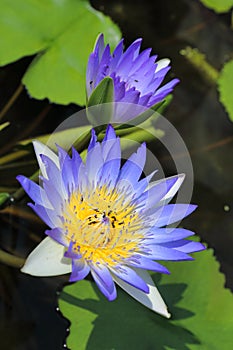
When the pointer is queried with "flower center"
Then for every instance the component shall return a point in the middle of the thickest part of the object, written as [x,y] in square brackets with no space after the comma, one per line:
[103,226]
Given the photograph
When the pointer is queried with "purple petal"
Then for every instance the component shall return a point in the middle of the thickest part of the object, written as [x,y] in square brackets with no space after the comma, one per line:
[66,166]
[133,167]
[53,194]
[164,235]
[116,55]
[161,93]
[54,176]
[92,68]
[141,185]
[104,281]
[170,85]
[119,89]
[158,252]
[141,61]
[76,162]
[99,45]
[103,68]
[80,270]
[47,215]
[72,251]
[171,213]
[151,197]
[92,141]
[130,276]
[127,58]
[185,246]
[147,264]
[110,134]
[111,149]
[35,192]
[109,172]
[58,236]
[94,162]
[131,96]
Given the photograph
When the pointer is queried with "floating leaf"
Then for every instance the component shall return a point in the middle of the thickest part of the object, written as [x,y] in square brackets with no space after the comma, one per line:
[63,34]
[201,310]
[225,87]
[218,5]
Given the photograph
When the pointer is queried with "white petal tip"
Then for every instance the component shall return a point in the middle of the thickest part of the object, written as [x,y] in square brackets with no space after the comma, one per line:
[24,269]
[152,300]
[164,62]
[165,314]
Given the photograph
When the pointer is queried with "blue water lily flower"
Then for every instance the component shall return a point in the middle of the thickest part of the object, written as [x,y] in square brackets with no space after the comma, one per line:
[106,219]
[137,77]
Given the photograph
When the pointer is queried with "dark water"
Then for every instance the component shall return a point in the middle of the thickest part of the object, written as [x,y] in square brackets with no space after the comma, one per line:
[28,320]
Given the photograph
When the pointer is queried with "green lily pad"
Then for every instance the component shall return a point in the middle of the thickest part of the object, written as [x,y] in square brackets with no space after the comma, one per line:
[225,87]
[201,308]
[62,34]
[218,5]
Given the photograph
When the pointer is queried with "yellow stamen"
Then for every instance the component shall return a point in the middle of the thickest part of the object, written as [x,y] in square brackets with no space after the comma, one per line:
[103,225]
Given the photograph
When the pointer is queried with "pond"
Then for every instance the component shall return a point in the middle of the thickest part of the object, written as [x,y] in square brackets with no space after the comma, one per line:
[28,320]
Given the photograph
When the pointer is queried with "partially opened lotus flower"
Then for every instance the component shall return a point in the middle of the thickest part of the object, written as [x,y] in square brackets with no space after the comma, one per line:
[106,220]
[136,77]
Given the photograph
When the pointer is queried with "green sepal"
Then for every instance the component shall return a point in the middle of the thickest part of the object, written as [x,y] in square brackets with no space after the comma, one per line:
[103,93]
[100,103]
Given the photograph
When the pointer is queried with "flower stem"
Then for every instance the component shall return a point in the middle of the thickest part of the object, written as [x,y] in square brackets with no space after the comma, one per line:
[11,101]
[198,60]
[11,260]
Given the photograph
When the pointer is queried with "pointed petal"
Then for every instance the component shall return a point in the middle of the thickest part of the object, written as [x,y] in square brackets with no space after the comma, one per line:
[185,246]
[93,140]
[47,260]
[80,270]
[116,55]
[171,213]
[159,252]
[109,172]
[133,167]
[34,191]
[94,163]
[144,263]
[152,300]
[40,148]
[57,235]
[170,194]
[104,282]
[163,235]
[110,133]
[152,197]
[164,62]
[130,276]
[47,215]
[66,166]
[76,163]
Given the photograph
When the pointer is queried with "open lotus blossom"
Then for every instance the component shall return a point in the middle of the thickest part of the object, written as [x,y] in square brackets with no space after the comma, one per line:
[137,77]
[106,219]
